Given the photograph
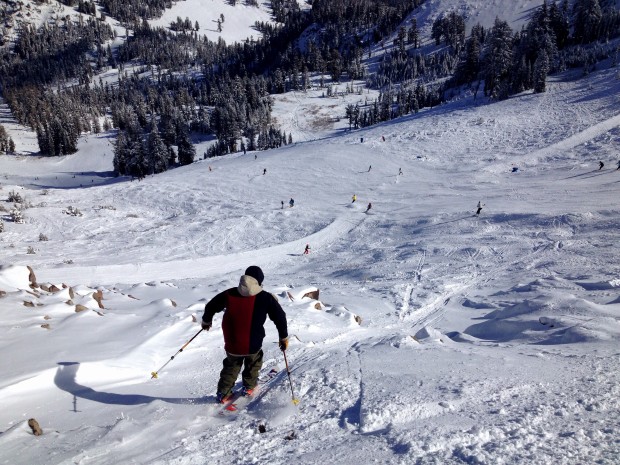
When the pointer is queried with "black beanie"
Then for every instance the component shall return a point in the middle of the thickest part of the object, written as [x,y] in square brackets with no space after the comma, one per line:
[256,273]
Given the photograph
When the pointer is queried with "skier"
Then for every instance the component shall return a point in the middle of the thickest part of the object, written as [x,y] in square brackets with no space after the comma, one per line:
[291,202]
[282,202]
[400,171]
[479,208]
[354,198]
[369,168]
[368,207]
[264,171]
[600,165]
[618,166]
[247,308]
[307,249]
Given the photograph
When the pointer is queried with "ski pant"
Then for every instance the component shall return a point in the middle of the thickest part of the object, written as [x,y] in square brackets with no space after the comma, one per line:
[232,366]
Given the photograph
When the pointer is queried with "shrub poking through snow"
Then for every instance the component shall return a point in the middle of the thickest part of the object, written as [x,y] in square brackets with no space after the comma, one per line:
[42,237]
[15,197]
[31,250]
[16,216]
[72,211]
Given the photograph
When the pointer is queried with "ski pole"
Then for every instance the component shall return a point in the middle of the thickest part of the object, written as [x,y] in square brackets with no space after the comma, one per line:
[154,373]
[288,372]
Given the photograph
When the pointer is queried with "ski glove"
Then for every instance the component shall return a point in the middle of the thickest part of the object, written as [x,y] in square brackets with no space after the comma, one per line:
[206,325]
[283,344]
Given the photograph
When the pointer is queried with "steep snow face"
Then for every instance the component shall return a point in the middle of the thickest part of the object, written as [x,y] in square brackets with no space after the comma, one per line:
[438,336]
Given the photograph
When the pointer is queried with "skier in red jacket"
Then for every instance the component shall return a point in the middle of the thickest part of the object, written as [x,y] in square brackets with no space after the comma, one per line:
[247,307]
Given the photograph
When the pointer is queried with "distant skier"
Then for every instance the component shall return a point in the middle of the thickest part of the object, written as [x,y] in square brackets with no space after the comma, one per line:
[307,249]
[291,203]
[282,201]
[600,165]
[400,172]
[264,171]
[369,168]
[368,207]
[479,208]
[383,138]
[255,156]
[354,198]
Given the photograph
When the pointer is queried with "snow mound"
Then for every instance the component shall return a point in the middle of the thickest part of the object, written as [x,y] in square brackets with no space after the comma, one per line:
[14,277]
[427,334]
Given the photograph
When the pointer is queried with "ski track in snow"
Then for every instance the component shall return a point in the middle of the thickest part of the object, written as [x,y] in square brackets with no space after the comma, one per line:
[199,267]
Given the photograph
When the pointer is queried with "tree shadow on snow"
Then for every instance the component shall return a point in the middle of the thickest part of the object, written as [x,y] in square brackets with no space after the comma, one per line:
[65,380]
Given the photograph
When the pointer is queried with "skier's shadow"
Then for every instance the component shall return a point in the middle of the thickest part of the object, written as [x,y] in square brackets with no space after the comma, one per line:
[589,174]
[580,174]
[597,173]
[65,380]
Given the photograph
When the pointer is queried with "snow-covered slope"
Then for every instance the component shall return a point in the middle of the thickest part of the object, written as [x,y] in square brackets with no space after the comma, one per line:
[439,336]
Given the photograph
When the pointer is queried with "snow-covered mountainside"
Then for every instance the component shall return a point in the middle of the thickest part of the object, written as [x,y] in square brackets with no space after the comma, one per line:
[439,336]
[420,331]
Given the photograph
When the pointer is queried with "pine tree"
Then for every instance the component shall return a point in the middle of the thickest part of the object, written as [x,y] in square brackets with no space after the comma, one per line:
[120,151]
[559,23]
[587,15]
[413,34]
[498,60]
[469,66]
[541,69]
[187,152]
[5,141]
[137,162]
[156,152]
[335,65]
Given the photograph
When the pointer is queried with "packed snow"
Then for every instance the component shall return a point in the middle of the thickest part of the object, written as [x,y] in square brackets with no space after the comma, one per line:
[438,336]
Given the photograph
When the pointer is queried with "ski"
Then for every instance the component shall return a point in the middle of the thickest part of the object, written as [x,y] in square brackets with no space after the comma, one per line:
[238,401]
[228,403]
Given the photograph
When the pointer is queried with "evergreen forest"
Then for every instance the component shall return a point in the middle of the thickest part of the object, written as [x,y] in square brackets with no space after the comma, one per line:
[174,83]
